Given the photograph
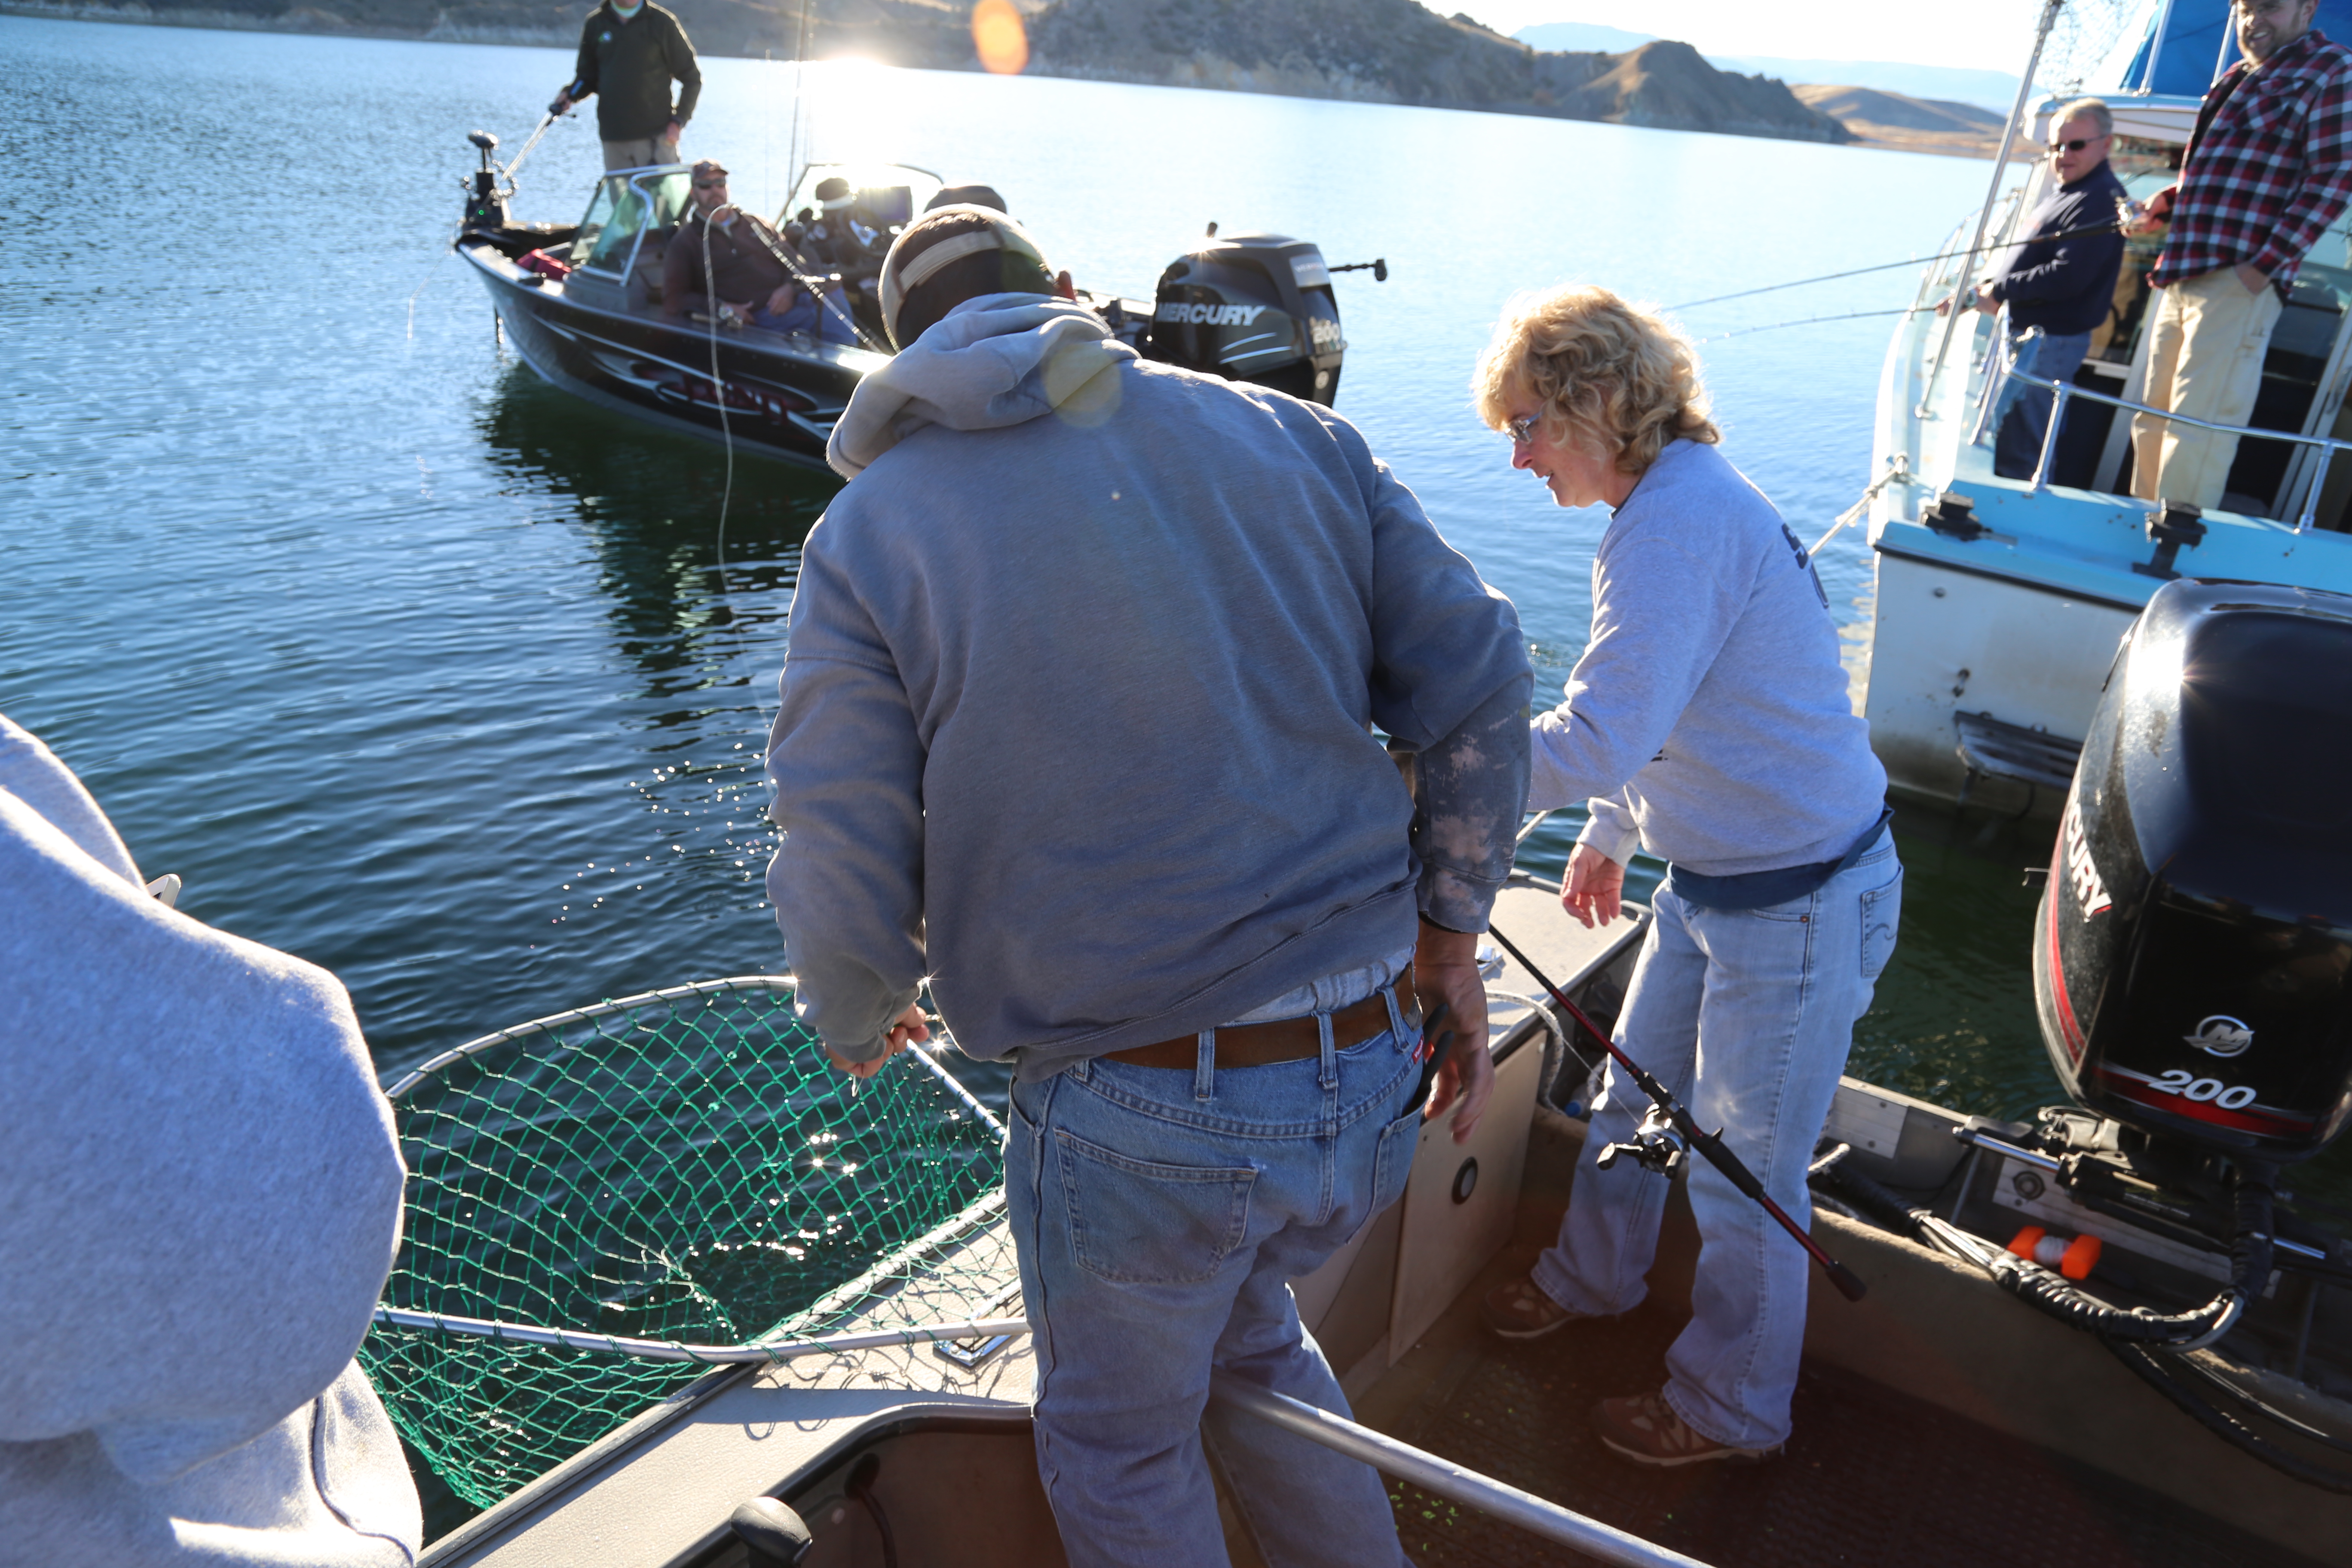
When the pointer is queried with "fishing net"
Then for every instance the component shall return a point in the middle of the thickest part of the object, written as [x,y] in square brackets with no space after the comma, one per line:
[681,1166]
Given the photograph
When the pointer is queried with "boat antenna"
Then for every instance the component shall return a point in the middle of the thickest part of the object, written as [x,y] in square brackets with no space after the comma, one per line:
[800,107]
[1646,1149]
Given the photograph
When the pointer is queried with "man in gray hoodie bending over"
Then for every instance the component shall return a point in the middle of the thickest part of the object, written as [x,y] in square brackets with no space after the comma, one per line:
[199,1198]
[1077,722]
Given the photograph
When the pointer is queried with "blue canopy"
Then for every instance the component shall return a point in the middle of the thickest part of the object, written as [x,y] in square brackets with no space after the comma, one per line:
[2198,45]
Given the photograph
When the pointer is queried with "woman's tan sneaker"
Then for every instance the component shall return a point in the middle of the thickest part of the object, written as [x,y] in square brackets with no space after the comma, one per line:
[1644,1427]
[1516,1309]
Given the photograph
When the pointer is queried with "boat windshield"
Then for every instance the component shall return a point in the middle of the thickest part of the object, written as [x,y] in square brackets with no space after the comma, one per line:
[884,197]
[626,205]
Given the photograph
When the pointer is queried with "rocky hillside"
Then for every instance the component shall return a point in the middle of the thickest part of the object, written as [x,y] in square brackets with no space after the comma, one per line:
[1395,51]
[1380,51]
[1913,124]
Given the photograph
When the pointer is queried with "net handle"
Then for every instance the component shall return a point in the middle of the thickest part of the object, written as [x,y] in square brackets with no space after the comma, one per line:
[670,1350]
[988,1118]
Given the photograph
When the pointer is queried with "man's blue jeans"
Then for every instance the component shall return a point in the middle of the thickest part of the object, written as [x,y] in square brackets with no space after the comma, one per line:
[829,320]
[2022,417]
[1160,1216]
[1747,1016]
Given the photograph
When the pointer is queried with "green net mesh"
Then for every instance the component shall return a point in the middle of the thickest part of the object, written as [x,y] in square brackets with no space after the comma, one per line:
[680,1166]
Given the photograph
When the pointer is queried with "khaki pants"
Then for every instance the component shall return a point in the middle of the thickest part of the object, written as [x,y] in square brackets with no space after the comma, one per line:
[2204,360]
[637,154]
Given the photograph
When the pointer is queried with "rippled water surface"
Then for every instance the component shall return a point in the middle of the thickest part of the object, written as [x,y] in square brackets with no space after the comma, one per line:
[422,670]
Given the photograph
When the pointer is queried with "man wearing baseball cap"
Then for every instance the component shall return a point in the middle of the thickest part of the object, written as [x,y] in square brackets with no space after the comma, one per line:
[725,262]
[1077,724]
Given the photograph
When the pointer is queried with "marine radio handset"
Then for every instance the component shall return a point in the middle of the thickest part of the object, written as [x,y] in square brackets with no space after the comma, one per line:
[1649,1145]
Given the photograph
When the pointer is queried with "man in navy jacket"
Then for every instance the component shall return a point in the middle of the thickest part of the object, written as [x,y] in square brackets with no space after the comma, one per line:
[2065,287]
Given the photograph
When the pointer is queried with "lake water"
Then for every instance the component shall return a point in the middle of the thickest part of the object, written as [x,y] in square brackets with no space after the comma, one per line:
[424,672]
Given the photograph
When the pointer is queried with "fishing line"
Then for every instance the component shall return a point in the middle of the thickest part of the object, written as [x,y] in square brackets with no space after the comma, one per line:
[718,396]
[1891,265]
[1807,322]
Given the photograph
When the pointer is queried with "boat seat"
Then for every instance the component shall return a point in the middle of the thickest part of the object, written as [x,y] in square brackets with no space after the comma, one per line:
[645,283]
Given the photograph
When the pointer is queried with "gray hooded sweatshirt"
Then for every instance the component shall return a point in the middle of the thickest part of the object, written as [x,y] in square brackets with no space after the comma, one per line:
[199,1198]
[1076,712]
[1707,718]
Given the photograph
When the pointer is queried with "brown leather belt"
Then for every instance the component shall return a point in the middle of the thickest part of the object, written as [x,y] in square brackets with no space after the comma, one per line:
[1281,1040]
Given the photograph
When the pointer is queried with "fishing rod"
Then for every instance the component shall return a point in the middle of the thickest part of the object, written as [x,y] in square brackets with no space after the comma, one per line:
[817,287]
[1653,1152]
[2115,228]
[540,132]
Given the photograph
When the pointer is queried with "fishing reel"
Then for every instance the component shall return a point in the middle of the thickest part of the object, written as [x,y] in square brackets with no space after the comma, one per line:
[1656,1145]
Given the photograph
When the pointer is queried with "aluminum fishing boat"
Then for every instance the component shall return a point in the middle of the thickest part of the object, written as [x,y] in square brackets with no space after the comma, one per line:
[1938,1418]
[583,305]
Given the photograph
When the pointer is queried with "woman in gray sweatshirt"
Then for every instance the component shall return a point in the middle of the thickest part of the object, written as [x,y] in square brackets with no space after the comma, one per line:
[1708,721]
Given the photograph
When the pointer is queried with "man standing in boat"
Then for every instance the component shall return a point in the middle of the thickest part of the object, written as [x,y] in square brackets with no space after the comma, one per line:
[1077,722]
[2268,168]
[2058,290]
[630,54]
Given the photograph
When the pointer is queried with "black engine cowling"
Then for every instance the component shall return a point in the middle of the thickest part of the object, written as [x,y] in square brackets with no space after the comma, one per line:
[2193,955]
[1252,307]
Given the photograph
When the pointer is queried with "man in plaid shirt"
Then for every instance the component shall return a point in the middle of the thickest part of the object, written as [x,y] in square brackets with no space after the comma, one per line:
[2269,167]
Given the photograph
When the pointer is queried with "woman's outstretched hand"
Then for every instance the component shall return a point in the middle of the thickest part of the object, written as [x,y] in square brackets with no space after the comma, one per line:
[1596,887]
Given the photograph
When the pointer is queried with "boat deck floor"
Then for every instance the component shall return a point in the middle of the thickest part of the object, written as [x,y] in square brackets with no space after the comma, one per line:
[1872,1475]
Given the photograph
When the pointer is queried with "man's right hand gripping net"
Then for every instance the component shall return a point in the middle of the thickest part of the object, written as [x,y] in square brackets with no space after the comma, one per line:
[601,1204]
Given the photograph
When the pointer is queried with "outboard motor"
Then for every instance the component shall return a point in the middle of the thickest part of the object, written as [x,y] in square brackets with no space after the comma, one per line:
[2193,955]
[1252,307]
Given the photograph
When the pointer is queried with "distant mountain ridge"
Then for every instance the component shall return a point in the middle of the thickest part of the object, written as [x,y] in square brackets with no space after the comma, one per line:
[1377,51]
[1397,51]
[1982,88]
[1914,125]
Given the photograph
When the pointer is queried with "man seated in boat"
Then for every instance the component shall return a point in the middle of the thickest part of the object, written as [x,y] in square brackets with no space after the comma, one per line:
[199,1204]
[1076,721]
[2059,285]
[754,279]
[2268,169]
[834,238]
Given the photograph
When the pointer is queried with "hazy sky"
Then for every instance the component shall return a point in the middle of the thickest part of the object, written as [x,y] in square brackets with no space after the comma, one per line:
[1992,34]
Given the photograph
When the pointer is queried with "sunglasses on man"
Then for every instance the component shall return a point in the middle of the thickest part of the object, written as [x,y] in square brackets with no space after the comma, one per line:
[709,184]
[2076,145]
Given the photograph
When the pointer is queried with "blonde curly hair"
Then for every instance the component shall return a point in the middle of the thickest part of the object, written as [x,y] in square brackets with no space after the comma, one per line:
[1609,375]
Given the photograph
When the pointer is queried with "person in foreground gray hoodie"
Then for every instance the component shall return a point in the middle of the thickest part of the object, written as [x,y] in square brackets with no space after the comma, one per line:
[1077,723]
[199,1200]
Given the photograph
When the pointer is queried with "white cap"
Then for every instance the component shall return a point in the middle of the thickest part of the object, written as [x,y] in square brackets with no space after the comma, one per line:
[902,276]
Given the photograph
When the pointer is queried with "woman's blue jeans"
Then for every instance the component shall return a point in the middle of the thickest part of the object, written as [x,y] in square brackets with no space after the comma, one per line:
[1160,1216]
[1746,1016]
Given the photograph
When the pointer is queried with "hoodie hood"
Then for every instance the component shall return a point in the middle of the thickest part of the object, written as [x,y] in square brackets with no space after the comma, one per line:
[994,362]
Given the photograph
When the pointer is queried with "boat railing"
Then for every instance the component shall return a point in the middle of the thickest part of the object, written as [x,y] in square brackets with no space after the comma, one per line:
[2004,370]
[1442,1478]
